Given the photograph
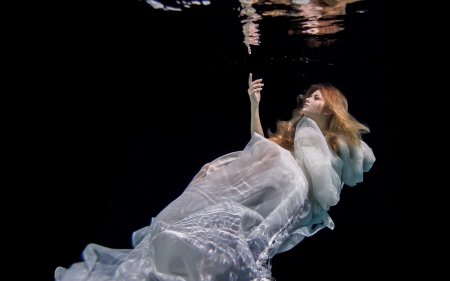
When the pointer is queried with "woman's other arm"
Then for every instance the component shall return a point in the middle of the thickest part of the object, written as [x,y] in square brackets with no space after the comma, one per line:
[254,92]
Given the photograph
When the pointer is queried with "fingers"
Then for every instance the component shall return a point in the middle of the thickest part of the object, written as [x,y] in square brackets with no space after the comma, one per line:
[256,83]
[250,78]
[254,91]
[255,87]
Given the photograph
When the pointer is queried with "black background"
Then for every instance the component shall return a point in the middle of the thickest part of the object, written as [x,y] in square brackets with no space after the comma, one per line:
[144,98]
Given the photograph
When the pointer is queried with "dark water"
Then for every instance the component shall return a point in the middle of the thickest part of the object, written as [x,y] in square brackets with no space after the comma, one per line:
[149,96]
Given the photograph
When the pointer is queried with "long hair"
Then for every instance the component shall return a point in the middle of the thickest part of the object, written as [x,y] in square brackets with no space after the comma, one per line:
[341,123]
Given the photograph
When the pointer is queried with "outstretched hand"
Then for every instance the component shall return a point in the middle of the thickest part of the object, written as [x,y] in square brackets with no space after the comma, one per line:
[254,90]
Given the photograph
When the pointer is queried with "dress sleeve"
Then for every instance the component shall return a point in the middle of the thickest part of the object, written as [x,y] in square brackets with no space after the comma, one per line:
[368,157]
[356,160]
[313,157]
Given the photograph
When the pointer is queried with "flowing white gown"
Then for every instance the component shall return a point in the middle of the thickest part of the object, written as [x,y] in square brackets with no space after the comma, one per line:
[237,213]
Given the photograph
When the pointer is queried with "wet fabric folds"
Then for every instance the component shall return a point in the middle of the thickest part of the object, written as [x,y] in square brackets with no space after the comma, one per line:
[238,212]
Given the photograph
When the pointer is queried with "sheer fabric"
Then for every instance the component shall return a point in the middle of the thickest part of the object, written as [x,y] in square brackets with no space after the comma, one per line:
[236,214]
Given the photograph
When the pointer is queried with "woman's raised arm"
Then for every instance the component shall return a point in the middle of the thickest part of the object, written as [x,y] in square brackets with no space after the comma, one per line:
[254,92]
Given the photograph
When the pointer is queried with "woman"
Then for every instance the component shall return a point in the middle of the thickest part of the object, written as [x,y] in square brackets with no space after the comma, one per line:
[244,207]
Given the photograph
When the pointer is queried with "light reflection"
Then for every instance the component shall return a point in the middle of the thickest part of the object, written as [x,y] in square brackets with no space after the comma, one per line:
[186,4]
[308,17]
[250,28]
[316,17]
[320,27]
[315,42]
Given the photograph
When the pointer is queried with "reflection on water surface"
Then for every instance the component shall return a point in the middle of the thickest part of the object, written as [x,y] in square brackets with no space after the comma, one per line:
[310,17]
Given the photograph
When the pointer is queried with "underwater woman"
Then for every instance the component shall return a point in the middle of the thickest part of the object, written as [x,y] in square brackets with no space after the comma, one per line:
[243,208]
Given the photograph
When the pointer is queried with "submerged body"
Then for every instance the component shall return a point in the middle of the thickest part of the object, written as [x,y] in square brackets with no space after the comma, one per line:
[238,212]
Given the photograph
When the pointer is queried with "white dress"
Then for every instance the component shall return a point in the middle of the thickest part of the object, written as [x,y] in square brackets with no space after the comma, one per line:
[237,213]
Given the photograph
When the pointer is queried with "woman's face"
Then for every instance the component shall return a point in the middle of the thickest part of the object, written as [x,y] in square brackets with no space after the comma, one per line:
[314,106]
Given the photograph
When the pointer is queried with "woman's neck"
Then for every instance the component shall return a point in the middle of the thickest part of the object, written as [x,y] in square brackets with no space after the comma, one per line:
[323,124]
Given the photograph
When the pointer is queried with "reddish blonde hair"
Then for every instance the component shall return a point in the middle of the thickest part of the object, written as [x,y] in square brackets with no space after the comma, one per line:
[341,123]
